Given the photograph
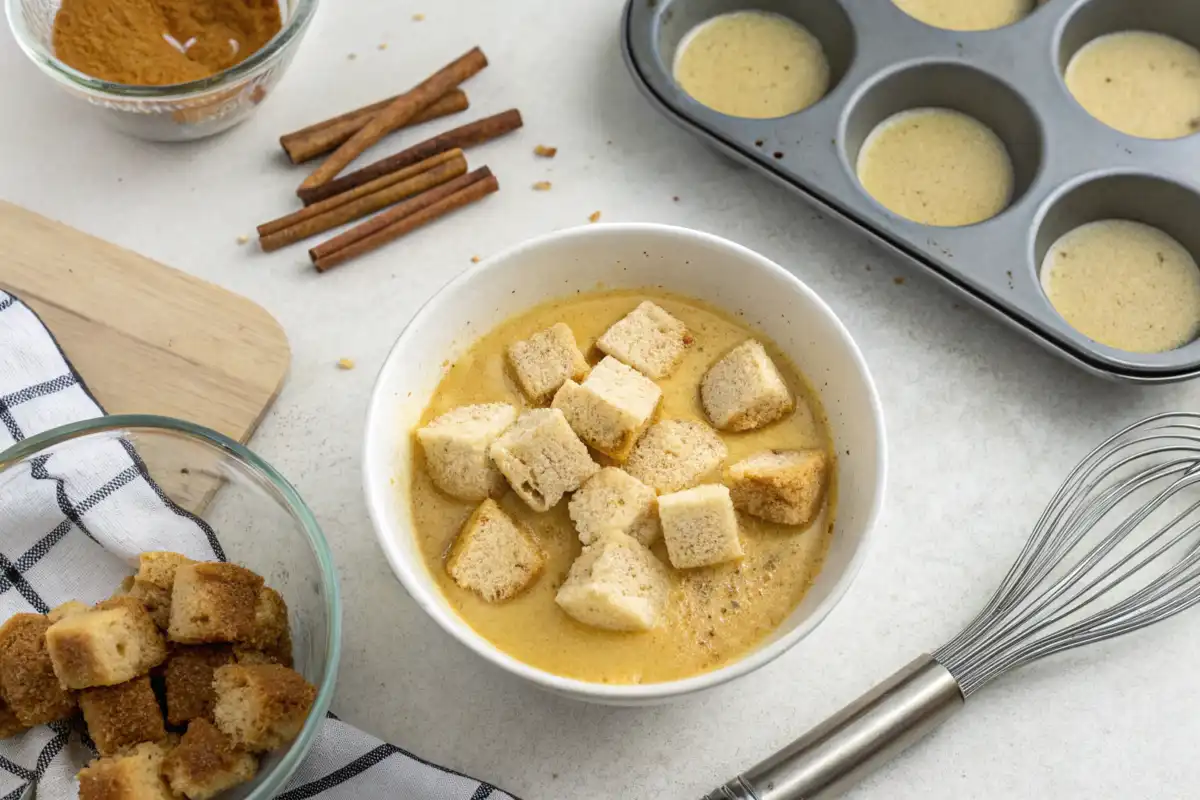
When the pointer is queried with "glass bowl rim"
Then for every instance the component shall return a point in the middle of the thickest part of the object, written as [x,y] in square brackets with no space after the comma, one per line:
[55,68]
[299,749]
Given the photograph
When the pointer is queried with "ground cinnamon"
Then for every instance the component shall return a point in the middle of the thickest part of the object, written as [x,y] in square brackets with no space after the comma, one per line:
[161,42]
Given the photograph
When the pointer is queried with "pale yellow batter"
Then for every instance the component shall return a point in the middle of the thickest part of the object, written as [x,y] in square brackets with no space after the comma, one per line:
[967,15]
[1126,285]
[1144,84]
[715,614]
[752,64]
[937,167]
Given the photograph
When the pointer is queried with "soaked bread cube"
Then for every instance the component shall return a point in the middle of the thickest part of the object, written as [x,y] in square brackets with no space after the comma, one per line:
[63,610]
[493,556]
[744,390]
[675,455]
[122,715]
[700,526]
[188,680]
[261,707]
[133,775]
[545,360]
[542,458]
[610,409]
[206,763]
[213,602]
[31,691]
[616,584]
[786,487]
[456,449]
[112,643]
[9,724]
[648,339]
[614,500]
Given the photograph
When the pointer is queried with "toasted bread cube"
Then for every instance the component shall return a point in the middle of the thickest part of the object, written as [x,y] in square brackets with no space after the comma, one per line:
[30,689]
[122,715]
[213,602]
[542,458]
[156,600]
[248,655]
[158,567]
[206,763]
[64,610]
[261,707]
[188,680]
[616,584]
[544,361]
[610,409]
[493,556]
[456,449]
[675,455]
[272,634]
[9,724]
[786,487]
[614,500]
[699,526]
[648,339]
[744,390]
[133,775]
[112,643]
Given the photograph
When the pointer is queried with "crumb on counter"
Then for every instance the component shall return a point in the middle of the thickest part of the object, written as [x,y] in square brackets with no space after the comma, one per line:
[345,363]
[475,259]
[351,56]
[243,239]
[898,281]
[542,186]
[675,198]
[545,152]
[383,45]
[594,216]
[418,17]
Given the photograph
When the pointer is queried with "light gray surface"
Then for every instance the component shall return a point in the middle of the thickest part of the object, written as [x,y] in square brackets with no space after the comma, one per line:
[982,424]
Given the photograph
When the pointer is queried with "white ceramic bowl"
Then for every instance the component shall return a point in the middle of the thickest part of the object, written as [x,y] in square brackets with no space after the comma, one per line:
[628,256]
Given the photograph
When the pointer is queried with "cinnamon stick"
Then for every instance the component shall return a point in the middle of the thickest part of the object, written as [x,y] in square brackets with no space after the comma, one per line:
[322,137]
[316,209]
[398,113]
[404,218]
[473,133]
[362,206]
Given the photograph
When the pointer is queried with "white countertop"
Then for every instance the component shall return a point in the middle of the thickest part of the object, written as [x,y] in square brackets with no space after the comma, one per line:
[982,424]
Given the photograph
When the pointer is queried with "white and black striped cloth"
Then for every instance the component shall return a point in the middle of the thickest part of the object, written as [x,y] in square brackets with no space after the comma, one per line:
[69,529]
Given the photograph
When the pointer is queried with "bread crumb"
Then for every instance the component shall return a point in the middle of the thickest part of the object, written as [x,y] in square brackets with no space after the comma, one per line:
[383,45]
[351,56]
[345,363]
[898,281]
[545,152]
[243,239]
[675,198]
[418,17]
[594,216]
[542,186]
[475,259]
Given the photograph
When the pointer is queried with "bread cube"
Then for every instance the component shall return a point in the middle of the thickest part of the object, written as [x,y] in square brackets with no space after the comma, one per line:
[542,458]
[153,583]
[213,602]
[122,715]
[28,684]
[675,455]
[133,775]
[616,584]
[9,724]
[243,654]
[271,634]
[112,643]
[188,680]
[614,500]
[648,339]
[786,487]
[456,449]
[700,526]
[205,763]
[63,610]
[545,360]
[493,556]
[610,409]
[261,707]
[744,390]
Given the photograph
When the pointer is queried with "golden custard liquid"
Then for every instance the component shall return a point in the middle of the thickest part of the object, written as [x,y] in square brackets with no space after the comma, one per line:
[715,614]
[1126,285]
[937,167]
[752,64]
[967,15]
[1141,83]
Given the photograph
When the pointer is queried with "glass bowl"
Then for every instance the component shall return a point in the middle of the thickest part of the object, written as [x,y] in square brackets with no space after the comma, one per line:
[258,518]
[179,112]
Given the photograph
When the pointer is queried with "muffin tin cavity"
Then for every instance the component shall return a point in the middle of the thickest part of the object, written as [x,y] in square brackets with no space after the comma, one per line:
[967,15]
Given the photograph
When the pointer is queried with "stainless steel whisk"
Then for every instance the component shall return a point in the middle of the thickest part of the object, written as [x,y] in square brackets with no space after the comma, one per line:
[1117,549]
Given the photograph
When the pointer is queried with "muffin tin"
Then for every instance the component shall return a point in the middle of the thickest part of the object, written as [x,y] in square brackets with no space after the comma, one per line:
[1069,168]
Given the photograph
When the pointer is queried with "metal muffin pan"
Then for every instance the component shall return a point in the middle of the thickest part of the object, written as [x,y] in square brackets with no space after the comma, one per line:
[1070,168]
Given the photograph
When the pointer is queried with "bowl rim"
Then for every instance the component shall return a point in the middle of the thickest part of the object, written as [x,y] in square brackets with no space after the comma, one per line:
[51,65]
[425,594]
[331,589]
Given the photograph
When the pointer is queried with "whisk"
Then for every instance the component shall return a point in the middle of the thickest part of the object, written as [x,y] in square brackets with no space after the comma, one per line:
[1116,549]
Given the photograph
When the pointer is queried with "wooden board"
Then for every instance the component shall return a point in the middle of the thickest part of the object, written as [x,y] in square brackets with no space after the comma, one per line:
[147,338]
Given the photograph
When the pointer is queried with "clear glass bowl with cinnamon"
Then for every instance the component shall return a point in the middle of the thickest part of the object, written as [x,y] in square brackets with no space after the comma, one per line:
[157,97]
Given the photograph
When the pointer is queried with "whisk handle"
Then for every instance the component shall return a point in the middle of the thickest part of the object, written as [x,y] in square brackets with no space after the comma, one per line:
[833,756]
